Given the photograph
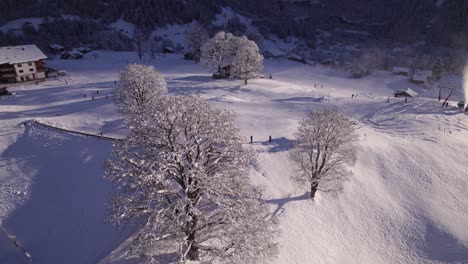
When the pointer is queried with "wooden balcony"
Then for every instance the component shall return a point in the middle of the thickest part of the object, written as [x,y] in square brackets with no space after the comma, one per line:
[40,66]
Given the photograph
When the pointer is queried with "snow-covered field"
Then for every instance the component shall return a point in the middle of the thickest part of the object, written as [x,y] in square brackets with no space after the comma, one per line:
[406,201]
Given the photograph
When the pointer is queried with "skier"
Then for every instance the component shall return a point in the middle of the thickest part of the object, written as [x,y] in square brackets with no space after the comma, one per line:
[406,99]
[352,96]
[251,139]
[388,100]
[269,140]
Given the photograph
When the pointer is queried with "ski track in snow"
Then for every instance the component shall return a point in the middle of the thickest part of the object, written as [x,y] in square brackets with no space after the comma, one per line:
[405,201]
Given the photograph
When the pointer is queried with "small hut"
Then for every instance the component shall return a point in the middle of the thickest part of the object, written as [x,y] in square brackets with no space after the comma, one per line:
[408,92]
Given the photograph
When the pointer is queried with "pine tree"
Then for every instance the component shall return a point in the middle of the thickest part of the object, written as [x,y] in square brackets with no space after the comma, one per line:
[438,68]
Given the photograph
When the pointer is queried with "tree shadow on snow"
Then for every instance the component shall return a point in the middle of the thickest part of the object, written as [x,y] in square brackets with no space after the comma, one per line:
[195,78]
[306,99]
[442,246]
[281,202]
[279,144]
[63,219]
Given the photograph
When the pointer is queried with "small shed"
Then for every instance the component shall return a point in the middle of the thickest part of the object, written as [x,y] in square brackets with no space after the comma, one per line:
[297,58]
[56,48]
[225,73]
[421,76]
[408,92]
[273,53]
[401,71]
[168,50]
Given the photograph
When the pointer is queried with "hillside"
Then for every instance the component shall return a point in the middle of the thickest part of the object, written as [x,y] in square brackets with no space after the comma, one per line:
[437,23]
[405,201]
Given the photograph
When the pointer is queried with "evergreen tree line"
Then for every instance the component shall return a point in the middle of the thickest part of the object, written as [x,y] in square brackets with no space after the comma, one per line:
[400,20]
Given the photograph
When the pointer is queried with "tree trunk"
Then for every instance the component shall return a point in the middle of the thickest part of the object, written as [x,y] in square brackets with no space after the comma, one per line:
[193,253]
[313,190]
[245,81]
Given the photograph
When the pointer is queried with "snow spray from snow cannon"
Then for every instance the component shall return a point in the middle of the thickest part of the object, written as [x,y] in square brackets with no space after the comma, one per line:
[465,86]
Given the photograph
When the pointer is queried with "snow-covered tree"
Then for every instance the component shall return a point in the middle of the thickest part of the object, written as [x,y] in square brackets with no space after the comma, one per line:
[213,51]
[248,62]
[438,68]
[195,37]
[140,86]
[323,149]
[184,172]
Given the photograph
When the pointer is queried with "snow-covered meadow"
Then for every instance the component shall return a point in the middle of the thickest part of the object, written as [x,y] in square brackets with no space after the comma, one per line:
[405,202]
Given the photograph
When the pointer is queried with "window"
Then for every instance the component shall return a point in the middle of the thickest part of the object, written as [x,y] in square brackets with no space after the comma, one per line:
[30,64]
[20,65]
[22,78]
[31,70]
[21,71]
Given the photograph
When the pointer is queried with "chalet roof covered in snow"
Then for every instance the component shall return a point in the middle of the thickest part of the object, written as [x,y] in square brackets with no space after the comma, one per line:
[407,91]
[401,70]
[421,75]
[19,54]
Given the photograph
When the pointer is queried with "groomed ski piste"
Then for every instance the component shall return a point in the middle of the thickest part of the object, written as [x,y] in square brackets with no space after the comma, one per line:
[405,202]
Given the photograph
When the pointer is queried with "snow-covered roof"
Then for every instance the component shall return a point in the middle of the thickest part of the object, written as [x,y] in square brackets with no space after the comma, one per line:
[421,75]
[275,52]
[409,91]
[427,73]
[400,69]
[55,46]
[19,54]
[295,57]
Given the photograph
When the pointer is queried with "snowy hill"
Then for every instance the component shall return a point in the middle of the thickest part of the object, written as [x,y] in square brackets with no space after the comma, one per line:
[405,201]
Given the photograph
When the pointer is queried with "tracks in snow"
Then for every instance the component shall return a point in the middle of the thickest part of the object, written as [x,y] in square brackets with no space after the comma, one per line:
[410,119]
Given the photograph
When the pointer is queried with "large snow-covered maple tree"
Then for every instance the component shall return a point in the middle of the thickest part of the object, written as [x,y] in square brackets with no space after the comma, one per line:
[247,62]
[214,52]
[323,149]
[183,171]
[140,86]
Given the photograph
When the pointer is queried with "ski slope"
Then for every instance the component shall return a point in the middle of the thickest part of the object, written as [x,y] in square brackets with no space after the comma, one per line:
[405,201]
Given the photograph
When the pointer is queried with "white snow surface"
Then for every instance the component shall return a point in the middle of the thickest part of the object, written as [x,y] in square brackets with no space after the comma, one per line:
[405,202]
